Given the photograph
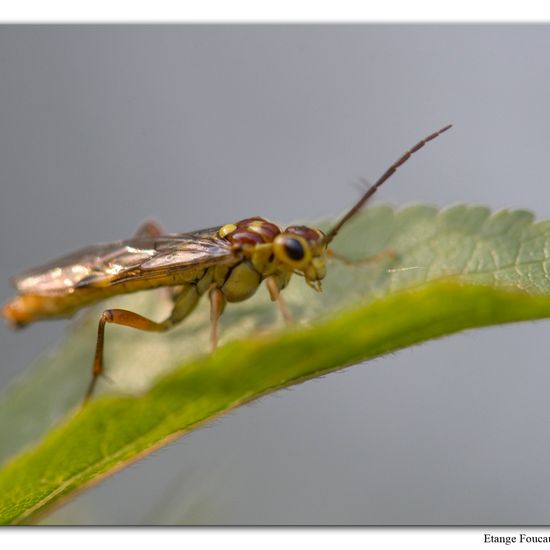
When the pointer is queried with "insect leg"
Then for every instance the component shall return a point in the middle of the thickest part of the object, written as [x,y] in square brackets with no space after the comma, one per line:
[275,295]
[384,255]
[183,306]
[119,317]
[217,305]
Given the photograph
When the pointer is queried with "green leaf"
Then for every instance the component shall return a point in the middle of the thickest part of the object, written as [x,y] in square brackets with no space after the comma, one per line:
[453,269]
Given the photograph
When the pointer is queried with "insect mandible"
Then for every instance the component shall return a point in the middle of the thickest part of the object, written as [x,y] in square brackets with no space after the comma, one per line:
[228,262]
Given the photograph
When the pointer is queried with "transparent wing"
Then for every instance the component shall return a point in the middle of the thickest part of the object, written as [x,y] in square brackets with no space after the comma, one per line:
[106,264]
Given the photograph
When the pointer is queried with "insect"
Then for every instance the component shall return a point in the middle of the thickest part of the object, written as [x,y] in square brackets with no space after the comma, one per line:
[228,263]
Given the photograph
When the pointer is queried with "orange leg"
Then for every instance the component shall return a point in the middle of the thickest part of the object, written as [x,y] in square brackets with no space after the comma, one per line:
[385,254]
[184,303]
[127,319]
[275,295]
[217,305]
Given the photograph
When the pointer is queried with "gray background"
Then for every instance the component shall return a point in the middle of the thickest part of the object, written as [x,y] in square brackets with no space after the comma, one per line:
[197,126]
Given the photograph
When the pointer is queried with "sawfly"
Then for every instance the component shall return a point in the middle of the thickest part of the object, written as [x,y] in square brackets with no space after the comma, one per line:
[228,263]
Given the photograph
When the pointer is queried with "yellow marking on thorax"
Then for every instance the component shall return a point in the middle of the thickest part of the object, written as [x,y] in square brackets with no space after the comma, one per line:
[226,229]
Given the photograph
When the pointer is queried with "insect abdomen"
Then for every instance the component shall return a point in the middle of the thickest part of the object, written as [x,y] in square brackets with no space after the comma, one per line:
[25,309]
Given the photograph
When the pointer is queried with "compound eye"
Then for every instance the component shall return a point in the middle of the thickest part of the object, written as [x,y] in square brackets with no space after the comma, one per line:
[292,250]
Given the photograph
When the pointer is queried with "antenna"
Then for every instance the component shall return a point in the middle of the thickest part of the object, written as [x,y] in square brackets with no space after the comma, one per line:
[385,176]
